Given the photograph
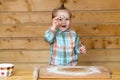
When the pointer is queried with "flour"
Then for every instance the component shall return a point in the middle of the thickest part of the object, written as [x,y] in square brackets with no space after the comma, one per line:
[89,70]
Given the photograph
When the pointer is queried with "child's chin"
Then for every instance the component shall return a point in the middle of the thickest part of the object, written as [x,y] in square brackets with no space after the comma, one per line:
[63,29]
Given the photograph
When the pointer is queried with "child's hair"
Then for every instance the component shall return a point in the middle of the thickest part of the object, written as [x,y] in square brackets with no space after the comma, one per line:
[62,7]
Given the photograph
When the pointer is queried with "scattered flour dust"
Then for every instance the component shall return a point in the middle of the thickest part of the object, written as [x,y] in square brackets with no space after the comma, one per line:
[89,70]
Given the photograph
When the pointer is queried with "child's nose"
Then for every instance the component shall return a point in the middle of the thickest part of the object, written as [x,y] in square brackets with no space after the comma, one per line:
[63,21]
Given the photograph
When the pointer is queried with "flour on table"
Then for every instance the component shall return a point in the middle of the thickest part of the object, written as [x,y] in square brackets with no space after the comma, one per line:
[88,70]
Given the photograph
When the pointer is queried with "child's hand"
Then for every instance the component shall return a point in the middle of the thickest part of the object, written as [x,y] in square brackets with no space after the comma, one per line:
[55,23]
[83,49]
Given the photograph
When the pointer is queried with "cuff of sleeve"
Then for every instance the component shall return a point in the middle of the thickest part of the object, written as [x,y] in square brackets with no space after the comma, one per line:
[77,50]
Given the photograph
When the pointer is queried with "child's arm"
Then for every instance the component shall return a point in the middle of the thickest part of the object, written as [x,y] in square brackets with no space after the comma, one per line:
[55,24]
[51,33]
[79,47]
[49,36]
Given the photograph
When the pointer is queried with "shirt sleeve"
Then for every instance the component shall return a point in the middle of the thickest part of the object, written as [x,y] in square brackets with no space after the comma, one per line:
[77,45]
[49,36]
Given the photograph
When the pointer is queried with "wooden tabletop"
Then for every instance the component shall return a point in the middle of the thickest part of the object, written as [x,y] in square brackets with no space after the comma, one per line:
[84,72]
[115,75]
[20,74]
[23,74]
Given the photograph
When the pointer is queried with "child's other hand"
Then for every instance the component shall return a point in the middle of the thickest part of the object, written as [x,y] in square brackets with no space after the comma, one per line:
[83,49]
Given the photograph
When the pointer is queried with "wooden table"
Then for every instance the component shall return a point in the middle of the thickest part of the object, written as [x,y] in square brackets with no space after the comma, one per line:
[22,74]
[115,75]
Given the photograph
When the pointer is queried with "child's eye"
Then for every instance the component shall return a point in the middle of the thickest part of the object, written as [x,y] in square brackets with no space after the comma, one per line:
[60,19]
[67,19]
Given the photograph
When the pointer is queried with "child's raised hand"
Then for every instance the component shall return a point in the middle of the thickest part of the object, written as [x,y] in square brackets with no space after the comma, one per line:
[55,23]
[83,49]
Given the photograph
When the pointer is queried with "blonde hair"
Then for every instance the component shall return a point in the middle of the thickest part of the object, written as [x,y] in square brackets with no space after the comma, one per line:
[62,7]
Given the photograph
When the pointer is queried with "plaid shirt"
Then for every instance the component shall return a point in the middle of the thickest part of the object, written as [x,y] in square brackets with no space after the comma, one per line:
[64,47]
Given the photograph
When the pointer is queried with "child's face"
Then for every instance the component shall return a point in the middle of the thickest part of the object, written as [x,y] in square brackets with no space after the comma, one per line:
[64,19]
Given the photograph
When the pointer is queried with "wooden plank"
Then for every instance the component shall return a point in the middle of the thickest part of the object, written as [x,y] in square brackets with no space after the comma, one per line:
[29,66]
[96,29]
[93,4]
[43,56]
[24,56]
[30,30]
[100,55]
[28,5]
[39,43]
[23,43]
[45,17]
[40,5]
[101,42]
[27,17]
[38,30]
[74,72]
[95,17]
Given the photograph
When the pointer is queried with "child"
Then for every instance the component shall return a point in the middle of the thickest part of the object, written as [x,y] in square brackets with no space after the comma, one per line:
[65,45]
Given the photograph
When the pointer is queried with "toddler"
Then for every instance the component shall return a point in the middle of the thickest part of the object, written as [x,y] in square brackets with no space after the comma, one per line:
[65,45]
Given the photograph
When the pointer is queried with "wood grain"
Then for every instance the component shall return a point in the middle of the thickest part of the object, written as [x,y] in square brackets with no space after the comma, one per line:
[42,56]
[26,74]
[40,43]
[45,17]
[19,74]
[45,73]
[38,30]
[40,5]
[27,43]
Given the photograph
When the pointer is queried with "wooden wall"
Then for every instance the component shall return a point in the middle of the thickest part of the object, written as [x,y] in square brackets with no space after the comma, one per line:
[23,23]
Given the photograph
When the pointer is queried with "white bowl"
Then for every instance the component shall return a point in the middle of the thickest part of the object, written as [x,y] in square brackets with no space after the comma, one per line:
[6,69]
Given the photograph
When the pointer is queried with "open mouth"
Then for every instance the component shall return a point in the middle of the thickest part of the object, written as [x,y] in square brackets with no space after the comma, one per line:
[63,26]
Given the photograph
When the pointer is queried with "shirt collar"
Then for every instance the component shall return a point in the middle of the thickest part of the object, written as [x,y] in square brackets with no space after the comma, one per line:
[59,31]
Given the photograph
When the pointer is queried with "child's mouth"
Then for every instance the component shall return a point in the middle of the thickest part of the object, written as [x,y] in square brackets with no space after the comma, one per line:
[63,26]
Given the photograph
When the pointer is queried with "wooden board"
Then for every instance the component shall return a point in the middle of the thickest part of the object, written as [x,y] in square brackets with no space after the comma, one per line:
[40,5]
[38,30]
[45,17]
[54,72]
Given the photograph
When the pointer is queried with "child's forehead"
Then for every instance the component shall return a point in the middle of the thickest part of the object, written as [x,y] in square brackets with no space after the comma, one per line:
[63,12]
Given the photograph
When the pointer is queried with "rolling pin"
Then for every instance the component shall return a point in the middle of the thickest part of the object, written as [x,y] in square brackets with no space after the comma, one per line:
[35,73]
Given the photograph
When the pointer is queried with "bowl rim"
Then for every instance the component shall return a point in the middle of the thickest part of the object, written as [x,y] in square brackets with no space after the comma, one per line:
[6,66]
